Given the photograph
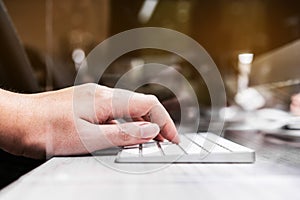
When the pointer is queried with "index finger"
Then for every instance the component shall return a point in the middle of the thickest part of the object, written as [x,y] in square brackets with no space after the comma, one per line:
[132,104]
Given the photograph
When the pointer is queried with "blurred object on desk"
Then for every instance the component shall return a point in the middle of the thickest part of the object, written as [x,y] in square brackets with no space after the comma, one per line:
[250,99]
[244,93]
[244,67]
[277,73]
[259,120]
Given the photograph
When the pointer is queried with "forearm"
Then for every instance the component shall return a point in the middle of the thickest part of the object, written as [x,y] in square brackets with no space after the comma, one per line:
[13,121]
[32,125]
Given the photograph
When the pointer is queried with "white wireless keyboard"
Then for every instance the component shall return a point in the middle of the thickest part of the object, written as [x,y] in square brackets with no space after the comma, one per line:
[193,148]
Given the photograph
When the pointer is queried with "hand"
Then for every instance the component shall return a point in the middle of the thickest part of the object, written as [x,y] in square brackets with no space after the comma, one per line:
[66,121]
[295,104]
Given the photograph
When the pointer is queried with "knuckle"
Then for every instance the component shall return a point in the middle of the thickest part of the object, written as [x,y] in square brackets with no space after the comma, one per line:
[124,136]
[89,89]
[129,131]
[153,99]
[90,85]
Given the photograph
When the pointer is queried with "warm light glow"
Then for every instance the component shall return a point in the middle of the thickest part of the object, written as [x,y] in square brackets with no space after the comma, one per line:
[147,10]
[78,56]
[137,62]
[246,58]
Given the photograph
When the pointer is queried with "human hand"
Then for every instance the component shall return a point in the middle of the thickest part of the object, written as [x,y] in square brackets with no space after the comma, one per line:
[295,104]
[67,121]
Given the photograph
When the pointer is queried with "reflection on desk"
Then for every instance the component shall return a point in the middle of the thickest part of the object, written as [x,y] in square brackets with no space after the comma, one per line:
[275,175]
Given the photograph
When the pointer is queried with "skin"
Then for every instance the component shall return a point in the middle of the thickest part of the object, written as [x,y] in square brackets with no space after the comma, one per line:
[80,119]
[295,104]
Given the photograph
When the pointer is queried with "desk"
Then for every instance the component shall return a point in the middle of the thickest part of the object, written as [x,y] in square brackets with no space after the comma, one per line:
[275,175]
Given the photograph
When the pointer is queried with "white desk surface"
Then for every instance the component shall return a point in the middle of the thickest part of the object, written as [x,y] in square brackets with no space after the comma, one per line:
[86,178]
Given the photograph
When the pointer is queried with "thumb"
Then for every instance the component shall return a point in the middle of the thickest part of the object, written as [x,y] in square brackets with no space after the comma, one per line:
[125,134]
[140,129]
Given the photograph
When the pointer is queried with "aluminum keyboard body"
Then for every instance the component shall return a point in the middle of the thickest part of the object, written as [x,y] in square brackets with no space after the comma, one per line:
[193,148]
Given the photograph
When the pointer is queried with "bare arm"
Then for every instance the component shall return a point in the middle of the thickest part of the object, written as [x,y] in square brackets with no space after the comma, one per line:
[65,123]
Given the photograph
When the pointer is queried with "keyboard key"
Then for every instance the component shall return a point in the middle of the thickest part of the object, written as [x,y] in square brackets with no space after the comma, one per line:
[171,149]
[151,150]
[232,146]
[190,147]
[207,144]
[130,152]
[193,148]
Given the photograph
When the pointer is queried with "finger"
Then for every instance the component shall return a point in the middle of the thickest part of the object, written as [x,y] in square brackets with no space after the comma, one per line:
[139,119]
[160,116]
[156,113]
[134,105]
[112,122]
[159,138]
[130,133]
[126,104]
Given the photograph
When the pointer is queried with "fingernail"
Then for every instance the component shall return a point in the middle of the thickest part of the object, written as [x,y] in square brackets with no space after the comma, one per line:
[149,130]
[176,139]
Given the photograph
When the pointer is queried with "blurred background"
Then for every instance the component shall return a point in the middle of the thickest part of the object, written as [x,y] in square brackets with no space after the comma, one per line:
[58,35]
